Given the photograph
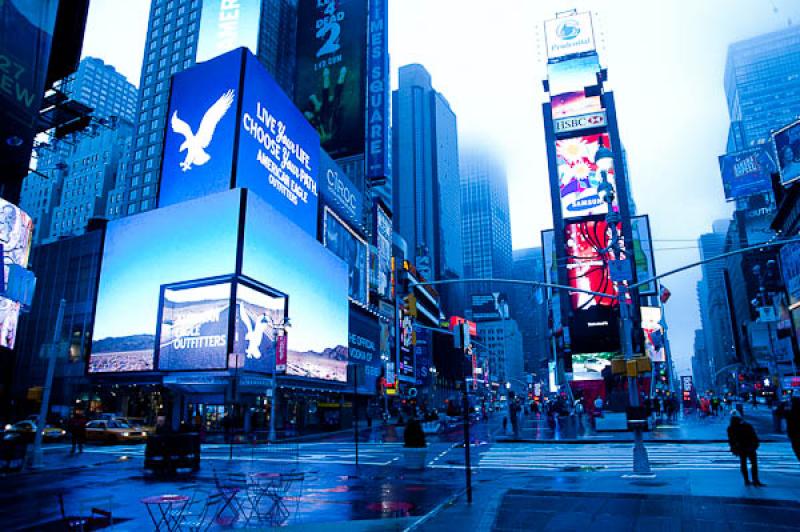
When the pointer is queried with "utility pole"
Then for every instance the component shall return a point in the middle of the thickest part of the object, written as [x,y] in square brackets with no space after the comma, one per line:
[52,356]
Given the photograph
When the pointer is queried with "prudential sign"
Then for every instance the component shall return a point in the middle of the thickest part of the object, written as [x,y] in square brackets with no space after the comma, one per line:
[569,35]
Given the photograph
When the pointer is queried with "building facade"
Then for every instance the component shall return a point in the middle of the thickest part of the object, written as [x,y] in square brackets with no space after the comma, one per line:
[530,310]
[426,179]
[500,342]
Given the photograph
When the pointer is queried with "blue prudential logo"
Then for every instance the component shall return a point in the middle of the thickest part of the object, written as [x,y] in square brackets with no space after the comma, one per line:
[568,30]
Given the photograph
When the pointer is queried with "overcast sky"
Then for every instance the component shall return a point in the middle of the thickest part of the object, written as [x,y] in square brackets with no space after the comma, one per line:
[665,61]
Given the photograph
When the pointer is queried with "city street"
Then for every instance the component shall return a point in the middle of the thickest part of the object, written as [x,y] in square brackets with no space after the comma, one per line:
[515,482]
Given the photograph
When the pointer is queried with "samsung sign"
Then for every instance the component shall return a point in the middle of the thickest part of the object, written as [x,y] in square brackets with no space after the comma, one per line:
[576,123]
[569,35]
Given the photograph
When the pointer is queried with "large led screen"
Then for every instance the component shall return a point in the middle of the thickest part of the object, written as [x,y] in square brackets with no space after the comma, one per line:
[194,327]
[653,334]
[279,254]
[259,319]
[643,254]
[593,322]
[331,59]
[278,155]
[590,366]
[200,133]
[16,231]
[568,81]
[349,247]
[747,172]
[227,24]
[578,176]
[787,148]
[193,240]
[339,193]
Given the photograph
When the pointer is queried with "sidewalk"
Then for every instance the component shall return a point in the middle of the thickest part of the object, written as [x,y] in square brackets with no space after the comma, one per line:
[687,500]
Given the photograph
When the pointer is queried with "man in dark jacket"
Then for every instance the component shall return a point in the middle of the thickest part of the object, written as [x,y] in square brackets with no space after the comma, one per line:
[793,425]
[77,431]
[744,442]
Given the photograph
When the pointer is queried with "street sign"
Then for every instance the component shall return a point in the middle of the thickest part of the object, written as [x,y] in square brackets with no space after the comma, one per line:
[768,315]
[620,270]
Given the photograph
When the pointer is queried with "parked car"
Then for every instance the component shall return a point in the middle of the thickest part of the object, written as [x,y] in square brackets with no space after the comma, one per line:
[113,431]
[26,430]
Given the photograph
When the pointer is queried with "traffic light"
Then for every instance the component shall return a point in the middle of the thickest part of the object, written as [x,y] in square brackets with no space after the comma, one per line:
[411,305]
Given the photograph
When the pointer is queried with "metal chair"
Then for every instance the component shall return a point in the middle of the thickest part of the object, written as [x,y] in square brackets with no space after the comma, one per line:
[208,515]
[278,491]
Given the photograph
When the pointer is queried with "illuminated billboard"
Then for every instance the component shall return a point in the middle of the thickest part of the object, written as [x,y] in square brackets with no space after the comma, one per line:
[787,149]
[590,366]
[145,251]
[201,130]
[364,342]
[16,231]
[194,327]
[378,85]
[339,193]
[278,253]
[348,246]
[259,319]
[643,254]
[568,82]
[331,59]
[226,25]
[569,35]
[593,322]
[653,333]
[383,247]
[578,176]
[747,172]
[278,156]
[209,147]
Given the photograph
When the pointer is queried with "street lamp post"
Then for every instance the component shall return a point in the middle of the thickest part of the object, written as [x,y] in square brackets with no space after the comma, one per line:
[281,331]
[604,159]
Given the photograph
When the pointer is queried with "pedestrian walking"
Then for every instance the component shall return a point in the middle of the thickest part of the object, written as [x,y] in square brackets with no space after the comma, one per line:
[77,431]
[505,424]
[744,442]
[793,426]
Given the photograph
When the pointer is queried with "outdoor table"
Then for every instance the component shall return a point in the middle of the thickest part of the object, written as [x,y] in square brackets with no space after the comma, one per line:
[163,504]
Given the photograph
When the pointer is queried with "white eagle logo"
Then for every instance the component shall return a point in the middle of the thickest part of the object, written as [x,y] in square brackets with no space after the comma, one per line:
[195,145]
[257,328]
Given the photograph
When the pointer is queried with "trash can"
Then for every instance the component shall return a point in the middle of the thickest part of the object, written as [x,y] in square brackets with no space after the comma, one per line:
[12,455]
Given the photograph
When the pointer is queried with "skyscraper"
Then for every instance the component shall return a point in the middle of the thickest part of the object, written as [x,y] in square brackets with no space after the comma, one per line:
[171,46]
[486,229]
[75,175]
[761,86]
[529,308]
[426,178]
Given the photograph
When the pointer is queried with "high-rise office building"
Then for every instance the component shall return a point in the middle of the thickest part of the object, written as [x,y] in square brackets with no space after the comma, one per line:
[762,86]
[75,175]
[486,229]
[171,46]
[426,179]
[529,308]
[501,343]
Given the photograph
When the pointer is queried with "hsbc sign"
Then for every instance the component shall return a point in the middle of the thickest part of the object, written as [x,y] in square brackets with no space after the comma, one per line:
[574,123]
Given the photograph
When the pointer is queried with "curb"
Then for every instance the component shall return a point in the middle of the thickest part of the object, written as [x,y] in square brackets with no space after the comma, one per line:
[610,440]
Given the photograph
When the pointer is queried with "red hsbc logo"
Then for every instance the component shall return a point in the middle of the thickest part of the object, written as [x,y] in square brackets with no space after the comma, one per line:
[573,123]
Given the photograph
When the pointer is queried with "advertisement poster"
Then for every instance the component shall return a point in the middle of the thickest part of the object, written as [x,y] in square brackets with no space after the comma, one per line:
[16,231]
[569,35]
[364,348]
[143,252]
[489,307]
[339,193]
[594,321]
[331,59]
[225,25]
[349,247]
[578,176]
[653,334]
[278,155]
[259,318]
[422,356]
[194,328]
[568,82]
[643,253]
[787,148]
[279,254]
[590,366]
[747,172]
[383,245]
[199,137]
